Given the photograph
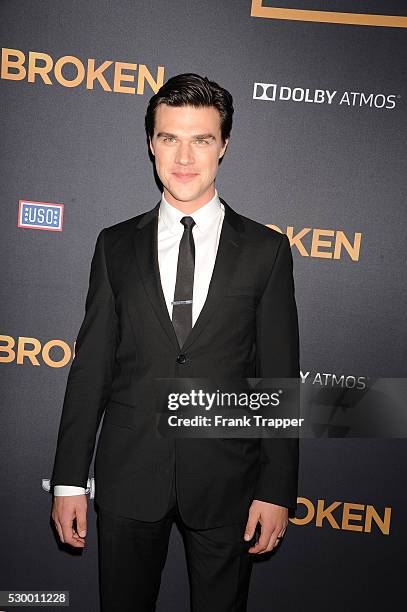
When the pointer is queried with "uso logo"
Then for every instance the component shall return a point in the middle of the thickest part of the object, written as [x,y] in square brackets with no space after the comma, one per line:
[41,215]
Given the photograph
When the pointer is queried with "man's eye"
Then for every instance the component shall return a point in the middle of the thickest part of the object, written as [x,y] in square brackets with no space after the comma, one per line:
[201,141]
[168,139]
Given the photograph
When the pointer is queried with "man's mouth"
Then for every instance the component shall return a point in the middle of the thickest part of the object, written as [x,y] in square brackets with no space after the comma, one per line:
[185,176]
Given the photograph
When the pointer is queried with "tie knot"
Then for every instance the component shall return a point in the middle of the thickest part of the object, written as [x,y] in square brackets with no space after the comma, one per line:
[187,222]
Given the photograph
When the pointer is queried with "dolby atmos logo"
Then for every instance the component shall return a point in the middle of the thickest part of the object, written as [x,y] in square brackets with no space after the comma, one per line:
[272,92]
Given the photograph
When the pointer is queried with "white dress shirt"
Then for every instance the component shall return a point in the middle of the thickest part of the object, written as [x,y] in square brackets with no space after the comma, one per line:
[206,232]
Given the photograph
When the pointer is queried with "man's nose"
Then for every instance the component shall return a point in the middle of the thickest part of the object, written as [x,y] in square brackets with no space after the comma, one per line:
[184,154]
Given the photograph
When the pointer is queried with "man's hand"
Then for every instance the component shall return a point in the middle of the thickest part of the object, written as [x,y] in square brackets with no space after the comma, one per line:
[64,510]
[273,520]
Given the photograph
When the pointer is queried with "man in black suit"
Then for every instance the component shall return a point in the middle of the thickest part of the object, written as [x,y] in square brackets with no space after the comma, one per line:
[189,289]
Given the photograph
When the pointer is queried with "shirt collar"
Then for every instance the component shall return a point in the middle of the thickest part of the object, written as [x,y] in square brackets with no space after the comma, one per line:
[203,217]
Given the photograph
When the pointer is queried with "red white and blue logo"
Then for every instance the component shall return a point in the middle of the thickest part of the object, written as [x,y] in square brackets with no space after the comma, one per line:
[41,215]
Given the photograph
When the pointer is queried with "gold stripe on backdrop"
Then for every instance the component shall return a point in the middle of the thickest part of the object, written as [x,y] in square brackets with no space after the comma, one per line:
[390,21]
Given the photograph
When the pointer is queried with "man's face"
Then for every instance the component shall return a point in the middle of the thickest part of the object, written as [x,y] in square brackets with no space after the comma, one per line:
[187,146]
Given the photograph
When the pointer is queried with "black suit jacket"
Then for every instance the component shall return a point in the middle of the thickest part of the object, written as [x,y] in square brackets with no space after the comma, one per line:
[248,327]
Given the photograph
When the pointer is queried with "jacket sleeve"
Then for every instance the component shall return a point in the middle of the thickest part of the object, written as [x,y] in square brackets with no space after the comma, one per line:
[89,378]
[277,356]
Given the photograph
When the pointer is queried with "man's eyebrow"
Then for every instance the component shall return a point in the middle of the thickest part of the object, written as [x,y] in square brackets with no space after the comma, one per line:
[166,134]
[204,136]
[196,136]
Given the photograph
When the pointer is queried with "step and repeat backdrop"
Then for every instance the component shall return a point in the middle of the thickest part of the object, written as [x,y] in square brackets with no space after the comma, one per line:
[318,151]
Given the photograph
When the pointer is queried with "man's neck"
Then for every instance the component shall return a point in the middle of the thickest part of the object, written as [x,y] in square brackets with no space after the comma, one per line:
[189,207]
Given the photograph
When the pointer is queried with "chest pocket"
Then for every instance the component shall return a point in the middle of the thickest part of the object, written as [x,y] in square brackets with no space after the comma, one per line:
[240,290]
[240,298]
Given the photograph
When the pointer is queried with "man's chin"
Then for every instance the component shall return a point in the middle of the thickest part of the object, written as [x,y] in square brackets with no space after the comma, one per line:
[185,195]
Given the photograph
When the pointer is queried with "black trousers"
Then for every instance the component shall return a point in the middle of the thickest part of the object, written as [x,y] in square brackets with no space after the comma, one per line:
[132,555]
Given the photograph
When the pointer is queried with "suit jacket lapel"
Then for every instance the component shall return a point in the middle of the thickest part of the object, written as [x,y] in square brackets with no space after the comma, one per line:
[229,249]
[145,245]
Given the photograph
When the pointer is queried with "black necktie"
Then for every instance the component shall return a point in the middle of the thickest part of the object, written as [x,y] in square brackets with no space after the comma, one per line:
[182,303]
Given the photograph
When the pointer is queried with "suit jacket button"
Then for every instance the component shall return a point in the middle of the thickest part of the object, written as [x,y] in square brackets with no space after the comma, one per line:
[181,358]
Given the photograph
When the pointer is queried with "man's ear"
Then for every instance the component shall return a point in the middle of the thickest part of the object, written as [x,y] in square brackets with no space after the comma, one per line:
[224,147]
[151,146]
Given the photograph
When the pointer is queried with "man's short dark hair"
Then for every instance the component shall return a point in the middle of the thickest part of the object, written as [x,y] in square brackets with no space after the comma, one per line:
[193,90]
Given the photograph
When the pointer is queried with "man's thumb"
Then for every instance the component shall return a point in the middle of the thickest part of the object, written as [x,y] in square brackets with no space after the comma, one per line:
[250,527]
[81,524]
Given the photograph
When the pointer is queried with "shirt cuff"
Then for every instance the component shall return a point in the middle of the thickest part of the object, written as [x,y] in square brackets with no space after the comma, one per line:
[68,490]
